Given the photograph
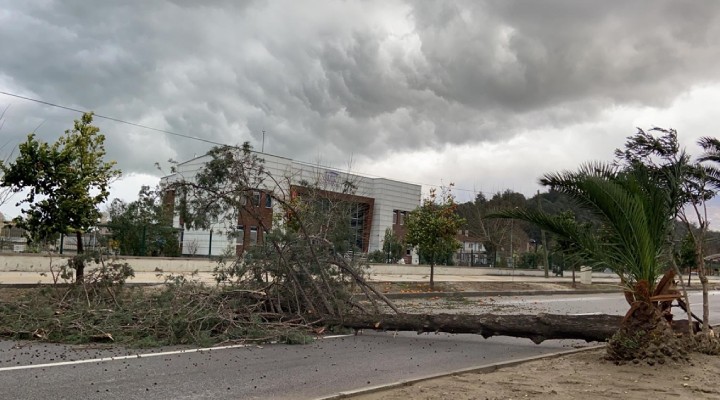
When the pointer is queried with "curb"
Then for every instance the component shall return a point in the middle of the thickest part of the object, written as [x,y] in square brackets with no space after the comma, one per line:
[37,285]
[488,368]
[425,295]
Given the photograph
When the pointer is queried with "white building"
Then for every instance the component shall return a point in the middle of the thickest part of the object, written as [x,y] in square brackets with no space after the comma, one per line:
[381,199]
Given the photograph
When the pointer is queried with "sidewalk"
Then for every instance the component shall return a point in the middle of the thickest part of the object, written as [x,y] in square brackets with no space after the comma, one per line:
[17,278]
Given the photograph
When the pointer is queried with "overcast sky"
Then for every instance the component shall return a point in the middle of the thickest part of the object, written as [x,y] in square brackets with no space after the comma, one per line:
[486,94]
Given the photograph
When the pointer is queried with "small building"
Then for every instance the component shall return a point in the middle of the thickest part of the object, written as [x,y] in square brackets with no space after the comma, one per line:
[472,252]
[377,204]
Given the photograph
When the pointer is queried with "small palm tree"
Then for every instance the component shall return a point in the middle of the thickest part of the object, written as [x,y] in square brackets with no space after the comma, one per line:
[634,218]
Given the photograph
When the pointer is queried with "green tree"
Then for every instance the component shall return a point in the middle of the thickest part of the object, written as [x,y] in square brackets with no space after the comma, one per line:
[65,182]
[686,255]
[393,247]
[143,227]
[432,228]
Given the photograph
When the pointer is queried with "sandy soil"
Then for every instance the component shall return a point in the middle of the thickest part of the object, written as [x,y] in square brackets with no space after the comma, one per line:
[582,375]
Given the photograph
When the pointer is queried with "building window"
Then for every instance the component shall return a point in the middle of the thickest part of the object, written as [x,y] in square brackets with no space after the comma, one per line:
[402,217]
[408,252]
[253,235]
[268,201]
[256,199]
[395,217]
[240,232]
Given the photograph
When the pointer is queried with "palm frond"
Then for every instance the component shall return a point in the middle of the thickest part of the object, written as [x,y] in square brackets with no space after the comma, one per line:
[634,214]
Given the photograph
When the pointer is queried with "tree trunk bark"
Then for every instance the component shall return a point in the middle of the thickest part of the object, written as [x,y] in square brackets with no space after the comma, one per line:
[706,304]
[79,261]
[432,276]
[702,275]
[537,328]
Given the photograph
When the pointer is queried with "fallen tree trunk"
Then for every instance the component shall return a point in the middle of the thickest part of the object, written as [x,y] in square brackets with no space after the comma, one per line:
[538,328]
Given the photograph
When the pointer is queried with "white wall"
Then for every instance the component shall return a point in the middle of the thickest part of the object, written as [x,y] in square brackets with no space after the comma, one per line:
[42,263]
[389,195]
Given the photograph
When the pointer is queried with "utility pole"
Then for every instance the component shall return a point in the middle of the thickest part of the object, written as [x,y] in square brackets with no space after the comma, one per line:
[263,142]
[544,240]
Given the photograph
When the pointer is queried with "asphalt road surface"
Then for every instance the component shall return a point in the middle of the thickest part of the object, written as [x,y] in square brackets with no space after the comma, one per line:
[325,367]
[609,303]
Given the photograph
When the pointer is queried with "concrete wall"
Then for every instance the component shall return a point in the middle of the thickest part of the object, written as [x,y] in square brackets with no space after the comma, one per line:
[42,263]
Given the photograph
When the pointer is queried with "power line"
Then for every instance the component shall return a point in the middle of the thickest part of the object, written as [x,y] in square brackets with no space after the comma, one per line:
[47,103]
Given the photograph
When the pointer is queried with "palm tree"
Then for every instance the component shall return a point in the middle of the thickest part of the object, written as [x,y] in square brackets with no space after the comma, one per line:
[711,152]
[634,219]
[634,215]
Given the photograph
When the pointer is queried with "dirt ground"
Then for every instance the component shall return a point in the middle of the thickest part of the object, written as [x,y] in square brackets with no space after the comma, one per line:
[582,375]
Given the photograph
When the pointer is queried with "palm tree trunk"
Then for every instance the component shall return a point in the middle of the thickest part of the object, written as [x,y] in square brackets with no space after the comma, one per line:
[643,328]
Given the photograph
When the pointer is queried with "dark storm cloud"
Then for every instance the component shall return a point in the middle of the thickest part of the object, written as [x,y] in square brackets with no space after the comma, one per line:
[335,79]
[520,55]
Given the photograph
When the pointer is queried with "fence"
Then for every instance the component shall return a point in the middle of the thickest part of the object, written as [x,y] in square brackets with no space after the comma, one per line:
[470,258]
[62,245]
[144,241]
[205,244]
[147,241]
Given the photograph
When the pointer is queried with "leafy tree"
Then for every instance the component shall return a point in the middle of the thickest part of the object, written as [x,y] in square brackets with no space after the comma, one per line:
[65,182]
[686,255]
[393,247]
[432,228]
[378,257]
[565,250]
[530,260]
[143,227]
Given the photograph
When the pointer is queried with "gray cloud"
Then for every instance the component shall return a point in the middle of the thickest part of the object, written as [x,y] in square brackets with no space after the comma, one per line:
[335,79]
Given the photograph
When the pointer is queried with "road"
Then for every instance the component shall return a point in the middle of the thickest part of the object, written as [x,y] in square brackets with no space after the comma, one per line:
[327,366]
[609,303]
